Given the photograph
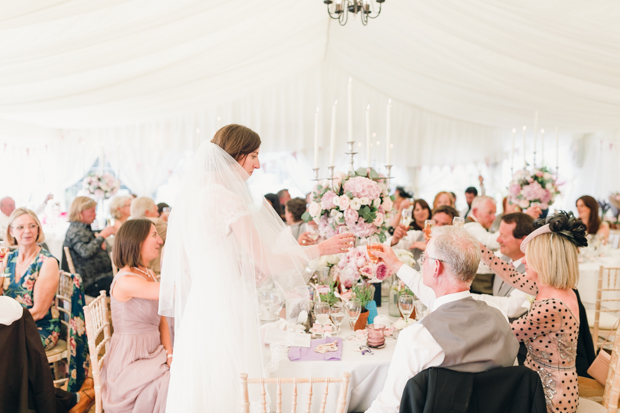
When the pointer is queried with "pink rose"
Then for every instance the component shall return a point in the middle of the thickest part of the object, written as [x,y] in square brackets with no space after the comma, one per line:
[539,174]
[379,220]
[351,216]
[514,189]
[344,202]
[367,271]
[382,271]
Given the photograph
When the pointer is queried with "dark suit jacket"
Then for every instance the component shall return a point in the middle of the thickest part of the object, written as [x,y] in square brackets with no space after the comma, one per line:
[506,390]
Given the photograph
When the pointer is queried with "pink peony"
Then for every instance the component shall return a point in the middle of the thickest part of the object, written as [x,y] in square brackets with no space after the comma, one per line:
[367,271]
[379,220]
[362,187]
[514,189]
[533,191]
[363,229]
[350,217]
[327,201]
[539,174]
[343,202]
[382,271]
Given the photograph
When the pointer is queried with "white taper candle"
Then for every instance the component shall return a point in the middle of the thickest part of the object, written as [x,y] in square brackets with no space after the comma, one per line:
[332,145]
[368,136]
[316,138]
[388,127]
[350,108]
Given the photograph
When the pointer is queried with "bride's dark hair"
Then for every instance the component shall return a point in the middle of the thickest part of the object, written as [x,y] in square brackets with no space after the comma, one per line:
[237,140]
[565,223]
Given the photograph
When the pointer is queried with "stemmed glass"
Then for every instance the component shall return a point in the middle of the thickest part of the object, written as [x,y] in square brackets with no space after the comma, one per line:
[373,245]
[321,312]
[458,221]
[354,308]
[405,304]
[343,230]
[429,224]
[406,217]
[313,232]
[337,314]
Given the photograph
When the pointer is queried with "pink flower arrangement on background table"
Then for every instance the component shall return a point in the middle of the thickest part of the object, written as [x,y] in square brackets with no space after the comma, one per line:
[359,200]
[539,186]
[101,185]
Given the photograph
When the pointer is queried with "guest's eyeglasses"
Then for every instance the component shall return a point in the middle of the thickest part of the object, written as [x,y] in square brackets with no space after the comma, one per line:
[423,258]
[20,228]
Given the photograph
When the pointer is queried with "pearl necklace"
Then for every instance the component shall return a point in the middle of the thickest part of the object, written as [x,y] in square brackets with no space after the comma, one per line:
[145,273]
[27,261]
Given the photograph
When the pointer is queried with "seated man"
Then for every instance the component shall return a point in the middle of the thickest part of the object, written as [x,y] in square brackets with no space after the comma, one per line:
[460,333]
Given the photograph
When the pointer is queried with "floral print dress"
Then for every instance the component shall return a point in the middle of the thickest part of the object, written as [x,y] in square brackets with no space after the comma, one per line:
[49,326]
[549,331]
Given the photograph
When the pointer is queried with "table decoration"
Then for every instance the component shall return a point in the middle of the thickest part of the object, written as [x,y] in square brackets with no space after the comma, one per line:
[539,187]
[376,338]
[297,353]
[101,185]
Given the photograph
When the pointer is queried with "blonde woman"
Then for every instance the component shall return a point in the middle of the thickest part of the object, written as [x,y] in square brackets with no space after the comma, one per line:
[120,208]
[88,250]
[550,329]
[443,198]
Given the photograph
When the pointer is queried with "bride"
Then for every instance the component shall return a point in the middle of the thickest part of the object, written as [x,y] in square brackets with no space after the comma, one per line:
[224,242]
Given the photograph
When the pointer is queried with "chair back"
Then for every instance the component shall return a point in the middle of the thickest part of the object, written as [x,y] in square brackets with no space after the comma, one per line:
[69,260]
[612,384]
[62,303]
[342,395]
[607,301]
[97,322]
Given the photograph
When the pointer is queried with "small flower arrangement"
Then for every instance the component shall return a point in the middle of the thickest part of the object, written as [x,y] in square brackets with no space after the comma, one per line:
[538,186]
[359,200]
[101,185]
[355,266]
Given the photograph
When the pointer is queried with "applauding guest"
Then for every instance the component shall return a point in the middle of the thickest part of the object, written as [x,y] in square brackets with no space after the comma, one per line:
[144,207]
[137,370]
[88,250]
[460,333]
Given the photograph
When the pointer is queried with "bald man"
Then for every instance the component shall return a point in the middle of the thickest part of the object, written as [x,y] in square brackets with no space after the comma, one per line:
[7,206]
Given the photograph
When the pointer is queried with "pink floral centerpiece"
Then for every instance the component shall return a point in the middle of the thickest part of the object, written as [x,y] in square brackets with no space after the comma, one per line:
[359,200]
[101,185]
[538,186]
[355,266]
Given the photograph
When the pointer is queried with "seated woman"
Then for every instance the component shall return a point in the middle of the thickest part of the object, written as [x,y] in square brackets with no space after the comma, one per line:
[137,370]
[31,274]
[587,208]
[443,198]
[293,211]
[88,251]
[120,208]
[550,329]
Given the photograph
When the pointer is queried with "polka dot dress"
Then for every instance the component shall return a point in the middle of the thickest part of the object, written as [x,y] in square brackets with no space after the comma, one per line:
[549,331]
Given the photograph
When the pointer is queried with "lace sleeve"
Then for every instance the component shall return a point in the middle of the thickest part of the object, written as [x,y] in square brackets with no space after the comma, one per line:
[507,272]
[544,318]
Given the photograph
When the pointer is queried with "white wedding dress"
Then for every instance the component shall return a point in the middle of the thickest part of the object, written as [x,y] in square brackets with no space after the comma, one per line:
[222,242]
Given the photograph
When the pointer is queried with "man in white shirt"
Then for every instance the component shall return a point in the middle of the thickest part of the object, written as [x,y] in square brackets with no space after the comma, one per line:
[460,333]
[470,194]
[7,206]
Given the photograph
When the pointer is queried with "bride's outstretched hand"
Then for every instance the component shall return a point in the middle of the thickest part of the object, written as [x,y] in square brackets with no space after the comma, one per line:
[337,244]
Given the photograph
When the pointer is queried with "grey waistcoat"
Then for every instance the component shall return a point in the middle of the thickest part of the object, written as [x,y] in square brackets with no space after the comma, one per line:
[473,335]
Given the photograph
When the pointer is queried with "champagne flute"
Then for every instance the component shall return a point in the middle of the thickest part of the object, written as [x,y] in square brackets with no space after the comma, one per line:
[337,315]
[321,312]
[354,308]
[406,217]
[373,245]
[429,224]
[458,221]
[405,304]
[344,230]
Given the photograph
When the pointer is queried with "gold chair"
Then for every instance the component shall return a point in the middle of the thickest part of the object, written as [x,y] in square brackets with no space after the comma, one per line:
[607,304]
[69,260]
[97,322]
[608,394]
[62,303]
[342,395]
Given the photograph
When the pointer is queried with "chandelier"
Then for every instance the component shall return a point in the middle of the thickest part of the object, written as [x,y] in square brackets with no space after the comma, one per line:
[340,9]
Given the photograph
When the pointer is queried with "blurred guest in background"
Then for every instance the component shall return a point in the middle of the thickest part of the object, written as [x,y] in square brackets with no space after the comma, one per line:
[274,200]
[507,208]
[284,197]
[292,213]
[88,251]
[120,209]
[587,208]
[443,198]
[421,212]
[470,194]
[444,215]
[145,207]
[164,210]
[7,206]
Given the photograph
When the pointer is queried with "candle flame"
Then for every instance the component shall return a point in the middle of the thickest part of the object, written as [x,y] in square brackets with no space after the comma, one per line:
[514,130]
[524,127]
[390,101]
[368,107]
[335,103]
[350,80]
[542,131]
[317,109]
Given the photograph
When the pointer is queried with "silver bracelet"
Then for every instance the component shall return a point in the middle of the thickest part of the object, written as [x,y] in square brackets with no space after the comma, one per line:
[169,356]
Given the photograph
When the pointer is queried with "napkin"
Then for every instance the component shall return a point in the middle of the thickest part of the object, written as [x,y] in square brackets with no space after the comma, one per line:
[308,354]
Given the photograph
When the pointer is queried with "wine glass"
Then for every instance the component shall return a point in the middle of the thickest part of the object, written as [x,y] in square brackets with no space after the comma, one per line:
[405,304]
[337,315]
[429,224]
[272,301]
[344,230]
[321,312]
[406,217]
[313,232]
[354,308]
[458,221]
[373,245]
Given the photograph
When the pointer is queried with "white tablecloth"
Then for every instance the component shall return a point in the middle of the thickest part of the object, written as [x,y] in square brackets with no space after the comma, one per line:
[368,374]
[588,275]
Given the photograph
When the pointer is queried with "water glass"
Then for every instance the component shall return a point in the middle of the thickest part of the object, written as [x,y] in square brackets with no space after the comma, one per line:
[405,304]
[337,315]
[354,308]
[321,312]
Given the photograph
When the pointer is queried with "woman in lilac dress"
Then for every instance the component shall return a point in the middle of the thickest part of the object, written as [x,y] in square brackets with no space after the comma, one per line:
[137,370]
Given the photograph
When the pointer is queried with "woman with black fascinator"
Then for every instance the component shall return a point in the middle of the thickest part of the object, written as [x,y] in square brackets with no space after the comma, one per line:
[551,327]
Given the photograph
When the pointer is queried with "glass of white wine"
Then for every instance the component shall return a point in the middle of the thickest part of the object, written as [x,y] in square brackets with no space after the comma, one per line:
[406,217]
[354,308]
[337,315]
[405,304]
[458,221]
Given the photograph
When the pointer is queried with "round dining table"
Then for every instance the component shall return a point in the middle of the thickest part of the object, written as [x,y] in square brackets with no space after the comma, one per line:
[368,373]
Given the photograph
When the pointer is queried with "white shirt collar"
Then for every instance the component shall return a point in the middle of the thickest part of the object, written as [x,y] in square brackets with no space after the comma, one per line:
[517,262]
[448,298]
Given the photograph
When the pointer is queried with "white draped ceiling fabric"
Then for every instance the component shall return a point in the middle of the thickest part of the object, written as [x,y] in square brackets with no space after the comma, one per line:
[144,81]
